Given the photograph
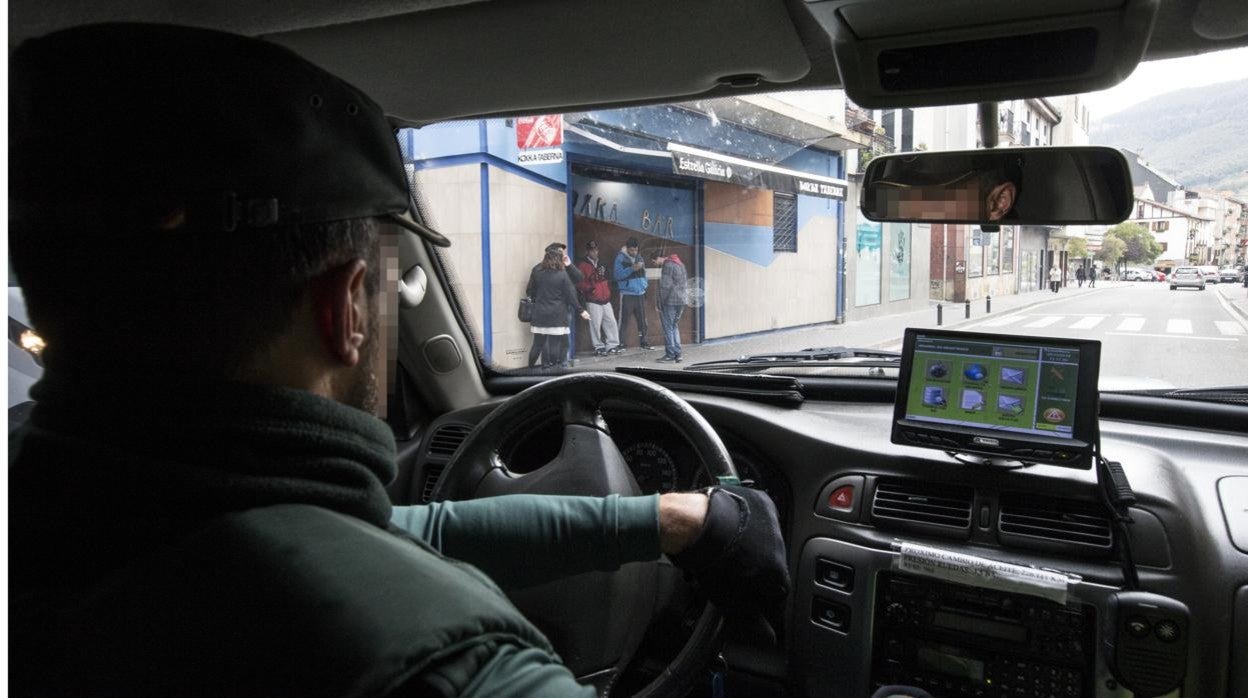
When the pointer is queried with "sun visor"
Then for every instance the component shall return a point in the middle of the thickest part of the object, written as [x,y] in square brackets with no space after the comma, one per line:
[919,53]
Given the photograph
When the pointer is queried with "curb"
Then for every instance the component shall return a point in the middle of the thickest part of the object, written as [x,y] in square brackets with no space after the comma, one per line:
[1233,304]
[1004,313]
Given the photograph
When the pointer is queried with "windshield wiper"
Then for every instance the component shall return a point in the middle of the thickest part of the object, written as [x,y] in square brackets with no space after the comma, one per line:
[865,358]
[1231,394]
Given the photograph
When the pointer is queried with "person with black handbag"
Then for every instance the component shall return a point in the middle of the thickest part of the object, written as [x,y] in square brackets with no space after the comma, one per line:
[553,292]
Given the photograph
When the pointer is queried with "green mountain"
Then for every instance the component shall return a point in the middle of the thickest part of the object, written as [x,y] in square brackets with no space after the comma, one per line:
[1198,136]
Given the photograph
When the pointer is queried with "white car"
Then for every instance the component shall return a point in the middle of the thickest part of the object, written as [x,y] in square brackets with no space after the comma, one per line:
[1187,277]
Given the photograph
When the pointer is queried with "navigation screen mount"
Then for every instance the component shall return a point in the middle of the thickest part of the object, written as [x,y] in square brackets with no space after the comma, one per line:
[998,399]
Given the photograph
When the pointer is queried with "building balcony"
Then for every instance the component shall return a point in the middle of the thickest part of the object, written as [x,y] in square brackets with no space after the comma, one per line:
[859,119]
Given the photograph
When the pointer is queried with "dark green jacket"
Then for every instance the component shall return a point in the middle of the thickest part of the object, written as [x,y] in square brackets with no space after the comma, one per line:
[209,540]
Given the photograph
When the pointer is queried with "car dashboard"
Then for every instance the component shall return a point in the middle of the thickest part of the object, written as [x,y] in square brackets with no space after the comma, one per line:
[849,499]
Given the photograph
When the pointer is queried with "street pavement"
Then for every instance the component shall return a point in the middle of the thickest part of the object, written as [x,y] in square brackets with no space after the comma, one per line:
[1151,337]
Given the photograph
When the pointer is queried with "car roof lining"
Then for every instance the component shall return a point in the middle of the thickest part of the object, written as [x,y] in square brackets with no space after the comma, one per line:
[654,52]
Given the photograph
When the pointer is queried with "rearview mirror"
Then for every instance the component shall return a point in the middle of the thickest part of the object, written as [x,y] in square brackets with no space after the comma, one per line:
[1030,186]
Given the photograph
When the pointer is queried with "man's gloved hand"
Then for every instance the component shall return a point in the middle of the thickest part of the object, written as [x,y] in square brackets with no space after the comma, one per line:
[739,557]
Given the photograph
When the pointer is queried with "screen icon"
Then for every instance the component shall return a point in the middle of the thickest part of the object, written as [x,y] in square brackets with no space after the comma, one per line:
[972,400]
[934,396]
[937,370]
[974,372]
[1054,415]
[1009,405]
[1013,377]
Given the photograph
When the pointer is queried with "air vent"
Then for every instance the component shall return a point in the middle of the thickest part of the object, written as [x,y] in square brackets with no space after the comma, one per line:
[446,440]
[930,507]
[432,473]
[1054,525]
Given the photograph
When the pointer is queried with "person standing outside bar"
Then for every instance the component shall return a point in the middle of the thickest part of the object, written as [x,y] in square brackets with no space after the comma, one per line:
[554,295]
[673,295]
[630,275]
[595,290]
[1055,278]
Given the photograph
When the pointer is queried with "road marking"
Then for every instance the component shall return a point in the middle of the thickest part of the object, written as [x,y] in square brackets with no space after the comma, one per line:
[1229,327]
[1170,336]
[1131,324]
[1087,323]
[1179,326]
[1003,321]
[1044,321]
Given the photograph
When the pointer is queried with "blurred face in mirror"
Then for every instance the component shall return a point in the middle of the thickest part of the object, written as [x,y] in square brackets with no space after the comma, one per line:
[973,196]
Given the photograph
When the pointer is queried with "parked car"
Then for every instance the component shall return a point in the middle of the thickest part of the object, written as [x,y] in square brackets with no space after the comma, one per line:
[1229,275]
[1159,275]
[1210,273]
[1187,277]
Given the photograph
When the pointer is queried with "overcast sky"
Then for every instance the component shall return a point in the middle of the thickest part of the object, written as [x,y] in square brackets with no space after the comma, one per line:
[1158,77]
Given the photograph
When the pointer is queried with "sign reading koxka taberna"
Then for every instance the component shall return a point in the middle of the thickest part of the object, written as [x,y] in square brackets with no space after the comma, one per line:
[539,139]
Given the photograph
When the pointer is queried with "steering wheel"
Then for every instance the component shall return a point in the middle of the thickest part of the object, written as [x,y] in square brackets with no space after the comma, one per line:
[596,620]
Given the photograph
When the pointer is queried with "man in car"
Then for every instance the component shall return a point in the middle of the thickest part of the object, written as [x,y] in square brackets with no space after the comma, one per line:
[954,189]
[197,501]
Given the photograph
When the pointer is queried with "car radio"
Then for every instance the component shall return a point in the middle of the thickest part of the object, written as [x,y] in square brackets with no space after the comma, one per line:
[956,640]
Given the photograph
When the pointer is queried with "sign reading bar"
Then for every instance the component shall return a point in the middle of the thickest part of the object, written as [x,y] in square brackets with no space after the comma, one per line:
[538,139]
[708,167]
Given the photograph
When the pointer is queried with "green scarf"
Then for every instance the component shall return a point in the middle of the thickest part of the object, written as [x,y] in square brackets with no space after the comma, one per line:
[177,449]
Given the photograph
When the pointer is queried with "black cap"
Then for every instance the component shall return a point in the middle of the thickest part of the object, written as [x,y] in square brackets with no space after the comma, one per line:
[941,169]
[632,242]
[556,248]
[138,122]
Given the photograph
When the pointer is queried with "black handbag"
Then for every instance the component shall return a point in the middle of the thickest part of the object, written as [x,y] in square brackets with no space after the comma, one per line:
[525,312]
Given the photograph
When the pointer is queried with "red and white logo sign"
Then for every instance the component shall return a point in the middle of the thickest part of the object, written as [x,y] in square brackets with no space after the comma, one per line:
[539,131]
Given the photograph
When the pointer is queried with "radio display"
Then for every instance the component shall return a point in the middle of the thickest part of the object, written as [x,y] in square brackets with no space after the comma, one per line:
[942,659]
[980,626]
[1004,385]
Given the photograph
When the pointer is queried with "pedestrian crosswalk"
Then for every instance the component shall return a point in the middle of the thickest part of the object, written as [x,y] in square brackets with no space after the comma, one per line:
[1124,324]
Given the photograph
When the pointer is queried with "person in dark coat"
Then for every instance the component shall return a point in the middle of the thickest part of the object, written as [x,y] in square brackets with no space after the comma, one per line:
[553,291]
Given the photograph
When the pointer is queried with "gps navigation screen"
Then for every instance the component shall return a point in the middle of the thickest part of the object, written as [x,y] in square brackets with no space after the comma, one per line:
[1007,386]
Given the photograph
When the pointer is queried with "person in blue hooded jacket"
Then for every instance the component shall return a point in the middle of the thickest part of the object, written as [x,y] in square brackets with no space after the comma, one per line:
[630,276]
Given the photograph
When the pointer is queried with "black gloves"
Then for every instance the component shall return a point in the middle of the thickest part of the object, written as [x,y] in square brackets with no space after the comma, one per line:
[739,558]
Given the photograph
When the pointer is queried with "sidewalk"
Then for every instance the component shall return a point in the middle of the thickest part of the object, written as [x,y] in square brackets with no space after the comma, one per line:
[1236,296]
[876,333]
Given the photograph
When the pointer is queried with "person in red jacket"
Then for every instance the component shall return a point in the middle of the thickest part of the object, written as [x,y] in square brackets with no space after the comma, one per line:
[595,289]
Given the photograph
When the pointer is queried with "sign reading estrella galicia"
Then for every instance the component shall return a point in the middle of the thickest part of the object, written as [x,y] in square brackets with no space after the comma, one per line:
[707,167]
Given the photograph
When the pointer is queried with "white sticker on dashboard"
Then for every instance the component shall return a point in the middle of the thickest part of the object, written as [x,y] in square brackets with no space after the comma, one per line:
[982,572]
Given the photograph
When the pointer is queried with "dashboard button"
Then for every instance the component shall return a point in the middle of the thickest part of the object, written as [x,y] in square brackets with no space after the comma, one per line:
[834,574]
[1138,626]
[839,499]
[830,614]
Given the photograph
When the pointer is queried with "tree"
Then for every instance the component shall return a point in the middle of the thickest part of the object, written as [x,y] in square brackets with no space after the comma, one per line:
[1077,248]
[1140,245]
[1112,249]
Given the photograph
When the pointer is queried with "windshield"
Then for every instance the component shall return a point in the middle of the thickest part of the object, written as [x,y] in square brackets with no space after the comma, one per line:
[673,235]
